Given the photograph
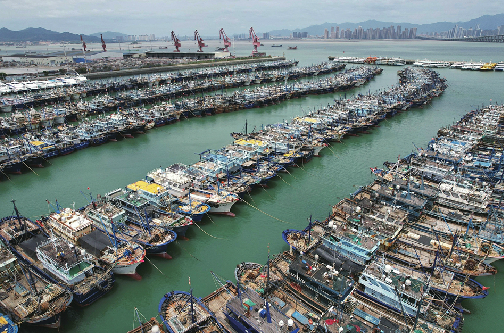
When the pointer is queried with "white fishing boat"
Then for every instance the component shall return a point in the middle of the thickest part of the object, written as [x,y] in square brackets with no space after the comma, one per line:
[78,229]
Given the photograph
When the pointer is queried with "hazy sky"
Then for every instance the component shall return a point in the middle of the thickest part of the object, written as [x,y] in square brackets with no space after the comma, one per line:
[161,17]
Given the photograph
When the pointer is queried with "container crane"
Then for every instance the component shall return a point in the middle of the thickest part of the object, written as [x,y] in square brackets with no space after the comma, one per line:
[176,42]
[103,45]
[200,41]
[83,43]
[224,37]
[255,40]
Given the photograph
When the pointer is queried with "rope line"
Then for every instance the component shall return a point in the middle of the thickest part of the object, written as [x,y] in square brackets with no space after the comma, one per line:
[283,180]
[208,215]
[291,173]
[250,195]
[267,193]
[30,168]
[6,175]
[276,218]
[332,151]
[154,265]
[196,224]
[178,243]
[299,166]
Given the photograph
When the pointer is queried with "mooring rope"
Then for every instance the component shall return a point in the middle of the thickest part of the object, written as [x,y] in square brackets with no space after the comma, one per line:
[276,218]
[177,242]
[29,168]
[332,151]
[290,173]
[267,192]
[210,218]
[196,224]
[6,176]
[250,195]
[154,265]
[283,180]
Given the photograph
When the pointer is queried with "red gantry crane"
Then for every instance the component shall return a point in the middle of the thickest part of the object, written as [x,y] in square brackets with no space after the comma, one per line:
[200,41]
[224,37]
[176,42]
[103,45]
[255,40]
[83,43]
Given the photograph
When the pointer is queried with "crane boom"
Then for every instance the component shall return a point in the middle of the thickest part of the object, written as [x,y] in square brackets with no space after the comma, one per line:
[255,41]
[200,41]
[176,42]
[103,45]
[226,40]
[83,43]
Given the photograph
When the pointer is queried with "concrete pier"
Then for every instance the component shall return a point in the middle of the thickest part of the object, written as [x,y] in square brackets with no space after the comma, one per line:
[173,68]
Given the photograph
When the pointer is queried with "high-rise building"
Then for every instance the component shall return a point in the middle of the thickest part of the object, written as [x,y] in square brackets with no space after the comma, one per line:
[333,34]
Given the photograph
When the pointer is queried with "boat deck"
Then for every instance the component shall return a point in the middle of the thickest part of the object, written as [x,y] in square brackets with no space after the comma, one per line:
[178,316]
[217,300]
[251,307]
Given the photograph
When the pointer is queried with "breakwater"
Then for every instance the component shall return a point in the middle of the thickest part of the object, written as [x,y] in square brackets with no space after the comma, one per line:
[137,71]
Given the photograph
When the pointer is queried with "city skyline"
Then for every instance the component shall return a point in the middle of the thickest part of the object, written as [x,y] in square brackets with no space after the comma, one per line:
[160,17]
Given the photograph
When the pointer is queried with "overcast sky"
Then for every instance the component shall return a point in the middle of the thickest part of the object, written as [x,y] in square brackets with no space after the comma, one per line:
[160,17]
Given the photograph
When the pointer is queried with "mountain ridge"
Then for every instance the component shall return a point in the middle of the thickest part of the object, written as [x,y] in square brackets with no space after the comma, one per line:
[40,34]
[486,22]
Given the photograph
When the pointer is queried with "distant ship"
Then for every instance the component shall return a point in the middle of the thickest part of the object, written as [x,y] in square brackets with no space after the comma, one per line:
[274,45]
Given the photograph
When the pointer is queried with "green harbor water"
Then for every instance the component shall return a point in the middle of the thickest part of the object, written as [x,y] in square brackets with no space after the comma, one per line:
[221,242]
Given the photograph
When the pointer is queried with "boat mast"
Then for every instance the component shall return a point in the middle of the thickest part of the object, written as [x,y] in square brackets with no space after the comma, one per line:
[147,221]
[193,320]
[108,235]
[267,268]
[309,230]
[21,224]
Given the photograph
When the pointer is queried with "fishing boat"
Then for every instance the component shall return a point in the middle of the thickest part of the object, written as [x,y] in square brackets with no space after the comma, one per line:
[463,196]
[162,195]
[67,265]
[364,214]
[185,182]
[26,295]
[158,209]
[78,229]
[300,240]
[181,312]
[410,251]
[112,220]
[468,243]
[402,289]
[394,196]
[292,47]
[357,313]
[330,282]
[249,312]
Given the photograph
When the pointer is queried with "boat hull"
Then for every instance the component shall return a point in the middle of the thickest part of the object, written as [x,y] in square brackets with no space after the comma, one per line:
[222,208]
[127,269]
[94,294]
